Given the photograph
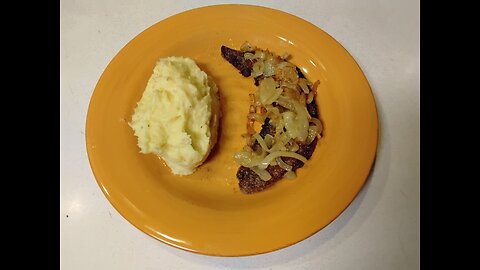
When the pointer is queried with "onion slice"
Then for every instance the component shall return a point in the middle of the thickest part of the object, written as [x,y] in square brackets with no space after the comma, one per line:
[282,164]
[266,161]
[264,175]
[261,142]
[290,175]
[318,124]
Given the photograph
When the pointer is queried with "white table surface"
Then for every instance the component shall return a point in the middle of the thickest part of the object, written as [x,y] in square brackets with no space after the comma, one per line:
[379,230]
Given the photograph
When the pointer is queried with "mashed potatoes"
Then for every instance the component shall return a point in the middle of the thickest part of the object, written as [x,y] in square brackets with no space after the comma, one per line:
[178,114]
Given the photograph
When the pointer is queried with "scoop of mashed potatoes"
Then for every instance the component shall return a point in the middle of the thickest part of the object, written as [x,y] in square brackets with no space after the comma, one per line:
[177,117]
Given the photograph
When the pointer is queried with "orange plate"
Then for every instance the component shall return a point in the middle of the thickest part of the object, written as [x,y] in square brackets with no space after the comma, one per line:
[205,212]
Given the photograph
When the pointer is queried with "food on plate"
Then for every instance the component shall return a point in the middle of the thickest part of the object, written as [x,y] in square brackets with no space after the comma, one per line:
[284,104]
[178,115]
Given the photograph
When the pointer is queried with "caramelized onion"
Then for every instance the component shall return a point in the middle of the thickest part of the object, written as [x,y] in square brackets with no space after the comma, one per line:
[296,123]
[288,85]
[259,55]
[280,124]
[315,86]
[285,64]
[248,56]
[266,161]
[285,102]
[303,85]
[291,93]
[268,140]
[264,175]
[267,91]
[243,158]
[285,56]
[247,47]
[283,165]
[261,142]
[293,146]
[256,117]
[312,133]
[269,68]
[310,97]
[303,99]
[257,68]
[318,124]
[282,97]
[290,175]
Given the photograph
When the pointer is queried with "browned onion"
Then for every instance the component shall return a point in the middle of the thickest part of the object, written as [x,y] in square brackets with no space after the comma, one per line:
[290,175]
[283,165]
[266,161]
[247,47]
[310,97]
[303,85]
[318,124]
[280,85]
[264,175]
